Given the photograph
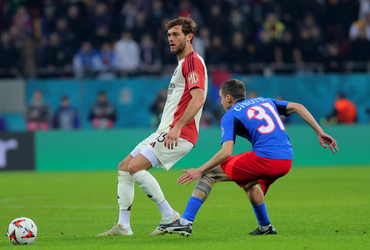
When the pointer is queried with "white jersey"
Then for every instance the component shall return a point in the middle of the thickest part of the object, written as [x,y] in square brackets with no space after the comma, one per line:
[190,73]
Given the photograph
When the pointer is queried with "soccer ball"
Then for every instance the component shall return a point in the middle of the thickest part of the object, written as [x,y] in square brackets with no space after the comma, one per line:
[22,231]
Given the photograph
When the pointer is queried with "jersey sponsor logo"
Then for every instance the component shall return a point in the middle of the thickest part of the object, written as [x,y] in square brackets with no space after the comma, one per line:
[171,87]
[222,131]
[174,73]
[193,78]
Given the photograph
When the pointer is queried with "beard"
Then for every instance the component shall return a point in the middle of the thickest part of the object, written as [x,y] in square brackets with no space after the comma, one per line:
[179,49]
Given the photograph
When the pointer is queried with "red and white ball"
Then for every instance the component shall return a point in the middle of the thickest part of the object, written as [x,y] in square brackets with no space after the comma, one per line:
[22,231]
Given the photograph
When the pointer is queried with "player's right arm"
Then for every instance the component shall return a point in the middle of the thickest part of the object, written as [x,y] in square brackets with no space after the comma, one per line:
[324,138]
[194,173]
[227,141]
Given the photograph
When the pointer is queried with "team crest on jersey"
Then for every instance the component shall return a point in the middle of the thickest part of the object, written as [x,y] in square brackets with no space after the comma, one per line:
[193,78]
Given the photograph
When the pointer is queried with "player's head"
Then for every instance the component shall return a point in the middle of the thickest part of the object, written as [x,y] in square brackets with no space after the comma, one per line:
[180,33]
[102,96]
[65,101]
[230,92]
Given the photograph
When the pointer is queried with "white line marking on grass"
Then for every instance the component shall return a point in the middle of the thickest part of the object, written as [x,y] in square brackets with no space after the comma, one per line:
[22,198]
[60,207]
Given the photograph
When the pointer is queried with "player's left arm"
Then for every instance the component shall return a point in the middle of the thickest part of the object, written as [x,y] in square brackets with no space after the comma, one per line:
[324,138]
[194,173]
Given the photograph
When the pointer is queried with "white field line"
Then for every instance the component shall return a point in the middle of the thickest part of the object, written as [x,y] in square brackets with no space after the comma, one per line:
[22,198]
[60,207]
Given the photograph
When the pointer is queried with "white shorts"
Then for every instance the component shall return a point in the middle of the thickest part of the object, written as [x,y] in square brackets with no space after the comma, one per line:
[165,158]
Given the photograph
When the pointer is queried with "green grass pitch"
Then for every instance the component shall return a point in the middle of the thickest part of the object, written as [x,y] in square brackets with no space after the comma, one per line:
[311,208]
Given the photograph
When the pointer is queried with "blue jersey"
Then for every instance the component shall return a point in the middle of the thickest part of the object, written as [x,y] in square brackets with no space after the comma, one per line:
[258,120]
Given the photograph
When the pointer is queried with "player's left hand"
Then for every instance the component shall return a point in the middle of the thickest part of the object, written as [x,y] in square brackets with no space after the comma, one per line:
[189,176]
[172,138]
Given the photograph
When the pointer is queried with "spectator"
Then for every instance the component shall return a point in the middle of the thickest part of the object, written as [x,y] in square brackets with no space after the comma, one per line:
[358,52]
[238,22]
[285,53]
[238,53]
[333,60]
[215,54]
[66,35]
[186,8]
[216,22]
[16,36]
[9,58]
[65,116]
[156,108]
[155,18]
[58,56]
[127,52]
[360,25]
[3,126]
[81,27]
[273,28]
[84,61]
[309,51]
[38,114]
[344,111]
[101,21]
[140,26]
[265,7]
[102,113]
[265,52]
[105,62]
[22,20]
[149,55]
[48,21]
[201,42]
[127,15]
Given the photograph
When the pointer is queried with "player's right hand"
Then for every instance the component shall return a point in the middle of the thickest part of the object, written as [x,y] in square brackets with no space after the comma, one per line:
[172,138]
[189,176]
[326,140]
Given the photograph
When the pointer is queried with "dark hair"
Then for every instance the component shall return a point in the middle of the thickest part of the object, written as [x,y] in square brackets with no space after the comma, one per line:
[102,92]
[233,87]
[187,24]
[341,95]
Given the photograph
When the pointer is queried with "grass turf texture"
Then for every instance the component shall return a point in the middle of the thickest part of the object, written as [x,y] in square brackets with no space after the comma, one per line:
[311,208]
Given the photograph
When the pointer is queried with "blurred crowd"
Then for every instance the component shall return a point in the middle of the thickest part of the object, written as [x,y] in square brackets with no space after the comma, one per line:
[115,38]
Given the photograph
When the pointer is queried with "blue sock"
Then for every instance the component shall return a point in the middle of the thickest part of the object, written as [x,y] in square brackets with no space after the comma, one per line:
[261,214]
[192,208]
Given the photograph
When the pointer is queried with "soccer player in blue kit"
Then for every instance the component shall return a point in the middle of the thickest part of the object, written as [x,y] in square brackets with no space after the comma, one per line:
[257,120]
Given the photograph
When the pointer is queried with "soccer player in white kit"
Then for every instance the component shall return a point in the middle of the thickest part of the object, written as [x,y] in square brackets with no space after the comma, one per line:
[176,135]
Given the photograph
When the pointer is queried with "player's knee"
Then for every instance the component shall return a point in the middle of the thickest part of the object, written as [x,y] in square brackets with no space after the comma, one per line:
[123,165]
[132,168]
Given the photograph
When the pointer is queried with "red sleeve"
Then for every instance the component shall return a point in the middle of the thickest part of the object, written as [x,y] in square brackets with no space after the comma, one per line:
[193,72]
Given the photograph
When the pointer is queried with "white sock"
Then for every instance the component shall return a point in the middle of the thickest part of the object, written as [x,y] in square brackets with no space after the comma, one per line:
[166,209]
[264,228]
[149,185]
[124,218]
[185,221]
[125,192]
